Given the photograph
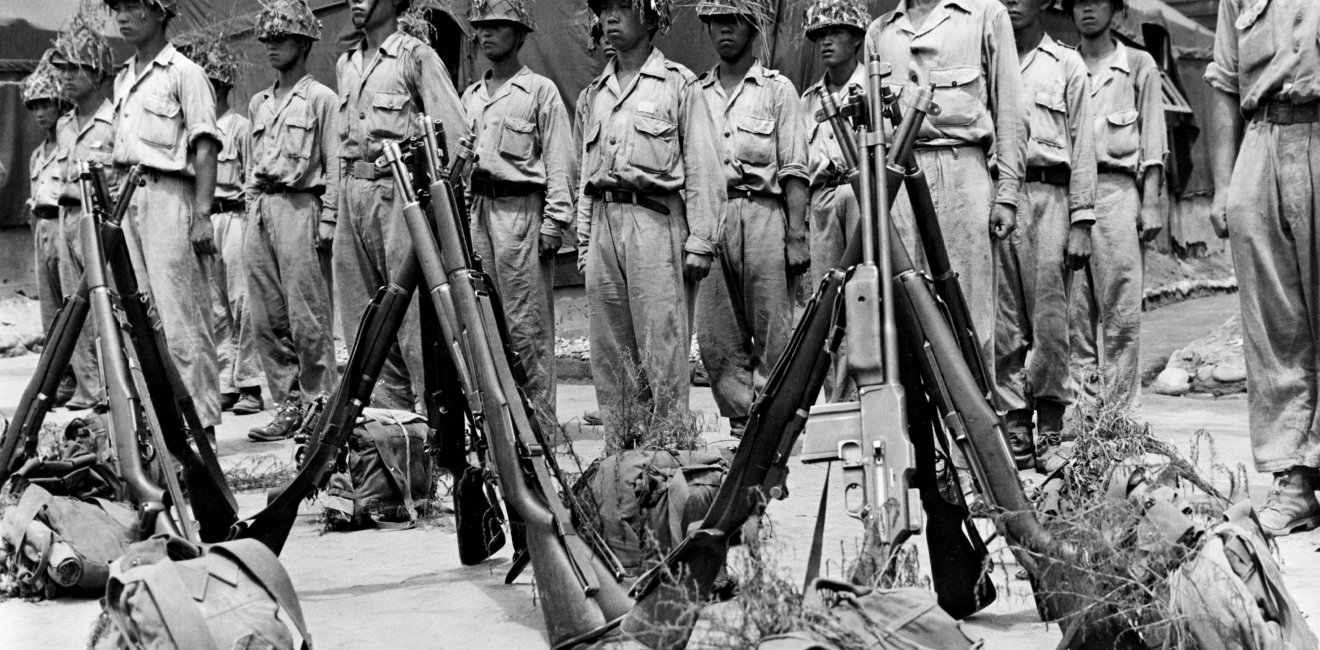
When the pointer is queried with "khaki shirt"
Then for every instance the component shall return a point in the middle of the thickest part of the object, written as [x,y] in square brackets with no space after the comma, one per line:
[160,114]
[1058,100]
[382,95]
[761,129]
[295,143]
[92,141]
[825,158]
[1128,102]
[44,175]
[230,166]
[1266,49]
[523,136]
[967,49]
[655,135]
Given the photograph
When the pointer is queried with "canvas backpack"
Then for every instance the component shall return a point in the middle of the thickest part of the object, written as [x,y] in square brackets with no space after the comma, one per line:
[385,474]
[82,466]
[56,545]
[166,593]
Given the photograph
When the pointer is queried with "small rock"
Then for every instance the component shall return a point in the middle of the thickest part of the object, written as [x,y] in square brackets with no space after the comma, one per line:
[1229,373]
[1205,373]
[1173,381]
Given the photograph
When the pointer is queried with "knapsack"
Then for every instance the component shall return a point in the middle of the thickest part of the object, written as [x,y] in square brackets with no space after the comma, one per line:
[82,466]
[167,593]
[386,474]
[59,545]
[643,501]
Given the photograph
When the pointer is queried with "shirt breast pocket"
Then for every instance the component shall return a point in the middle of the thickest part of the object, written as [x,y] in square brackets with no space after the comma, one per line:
[517,139]
[654,145]
[958,94]
[1049,119]
[296,137]
[756,141]
[343,117]
[391,113]
[228,170]
[1121,134]
[160,125]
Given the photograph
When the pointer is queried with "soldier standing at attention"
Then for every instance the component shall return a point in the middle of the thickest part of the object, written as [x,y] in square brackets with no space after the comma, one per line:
[651,194]
[386,82]
[1053,239]
[236,343]
[966,48]
[1265,135]
[293,194]
[86,134]
[43,95]
[165,122]
[763,243]
[522,186]
[1128,106]
[838,28]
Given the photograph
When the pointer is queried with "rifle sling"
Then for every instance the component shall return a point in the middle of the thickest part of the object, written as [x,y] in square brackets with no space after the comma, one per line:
[818,535]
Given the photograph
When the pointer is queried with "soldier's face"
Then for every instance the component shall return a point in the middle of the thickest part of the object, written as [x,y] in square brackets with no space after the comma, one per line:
[837,45]
[730,34]
[499,40]
[1023,13]
[366,13]
[283,52]
[1092,17]
[137,21]
[625,25]
[46,112]
[78,81]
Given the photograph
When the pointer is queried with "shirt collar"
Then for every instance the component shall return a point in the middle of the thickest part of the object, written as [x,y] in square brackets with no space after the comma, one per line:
[1049,46]
[902,9]
[389,47]
[1118,59]
[163,58]
[655,64]
[521,79]
[755,74]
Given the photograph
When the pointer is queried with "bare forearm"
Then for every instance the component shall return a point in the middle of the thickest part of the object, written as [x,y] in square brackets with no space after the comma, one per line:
[1150,185]
[1226,126]
[795,201]
[204,176]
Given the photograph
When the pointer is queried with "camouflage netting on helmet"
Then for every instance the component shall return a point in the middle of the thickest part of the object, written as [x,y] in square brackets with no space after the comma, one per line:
[756,11]
[81,41]
[823,14]
[281,18]
[663,10]
[43,83]
[170,7]
[514,11]
[416,20]
[210,49]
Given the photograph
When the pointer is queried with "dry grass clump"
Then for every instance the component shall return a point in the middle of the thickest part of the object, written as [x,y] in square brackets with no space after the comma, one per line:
[259,472]
[633,421]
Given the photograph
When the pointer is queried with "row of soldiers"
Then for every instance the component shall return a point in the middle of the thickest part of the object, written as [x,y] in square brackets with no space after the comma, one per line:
[690,197]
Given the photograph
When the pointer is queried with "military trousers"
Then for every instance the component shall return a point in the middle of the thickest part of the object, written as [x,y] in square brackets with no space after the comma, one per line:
[157,232]
[235,339]
[1106,298]
[289,295]
[1273,202]
[742,333]
[85,364]
[1031,323]
[506,233]
[834,217]
[371,242]
[639,307]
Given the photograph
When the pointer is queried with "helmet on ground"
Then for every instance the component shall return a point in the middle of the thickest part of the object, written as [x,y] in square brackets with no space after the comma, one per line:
[81,41]
[755,11]
[509,11]
[210,49]
[168,7]
[44,83]
[823,14]
[280,18]
[663,10]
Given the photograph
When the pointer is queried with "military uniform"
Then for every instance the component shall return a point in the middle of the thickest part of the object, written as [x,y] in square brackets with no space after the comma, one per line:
[761,128]
[381,95]
[967,49]
[522,187]
[1128,108]
[1266,54]
[652,190]
[45,182]
[159,115]
[236,344]
[1057,192]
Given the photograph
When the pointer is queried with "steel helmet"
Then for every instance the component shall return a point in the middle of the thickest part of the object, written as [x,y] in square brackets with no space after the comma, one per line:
[210,50]
[81,41]
[280,18]
[822,14]
[44,83]
[168,7]
[663,10]
[509,11]
[755,11]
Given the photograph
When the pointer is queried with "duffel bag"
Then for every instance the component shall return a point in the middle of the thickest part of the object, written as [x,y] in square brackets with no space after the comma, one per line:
[386,474]
[57,545]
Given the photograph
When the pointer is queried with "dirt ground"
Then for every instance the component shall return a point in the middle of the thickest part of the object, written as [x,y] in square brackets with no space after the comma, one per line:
[407,589]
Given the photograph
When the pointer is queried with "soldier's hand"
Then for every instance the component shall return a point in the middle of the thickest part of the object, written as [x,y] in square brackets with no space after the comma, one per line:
[1079,247]
[1219,214]
[1003,220]
[325,236]
[695,266]
[582,260]
[1149,223]
[549,245]
[202,236]
[799,254]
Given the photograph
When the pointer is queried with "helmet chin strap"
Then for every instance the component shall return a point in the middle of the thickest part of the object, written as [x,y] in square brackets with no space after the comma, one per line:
[370,12]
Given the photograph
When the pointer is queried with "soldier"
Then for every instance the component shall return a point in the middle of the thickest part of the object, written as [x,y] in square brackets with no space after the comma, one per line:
[293,188]
[521,186]
[1053,239]
[838,29]
[965,47]
[386,81]
[86,134]
[165,122]
[1265,123]
[236,343]
[651,192]
[1127,102]
[743,330]
[42,94]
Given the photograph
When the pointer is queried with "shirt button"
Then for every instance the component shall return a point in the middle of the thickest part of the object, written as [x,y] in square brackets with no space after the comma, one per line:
[726,134]
[362,116]
[726,161]
[614,141]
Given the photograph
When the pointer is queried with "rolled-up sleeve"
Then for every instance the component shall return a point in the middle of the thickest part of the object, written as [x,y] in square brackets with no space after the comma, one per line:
[1005,95]
[704,180]
[557,153]
[197,101]
[792,143]
[1150,105]
[440,99]
[325,106]
[1222,72]
[1082,177]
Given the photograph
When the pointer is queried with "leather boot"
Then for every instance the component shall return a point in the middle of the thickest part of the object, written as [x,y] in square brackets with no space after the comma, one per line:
[1291,506]
[285,424]
[1017,425]
[1051,454]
